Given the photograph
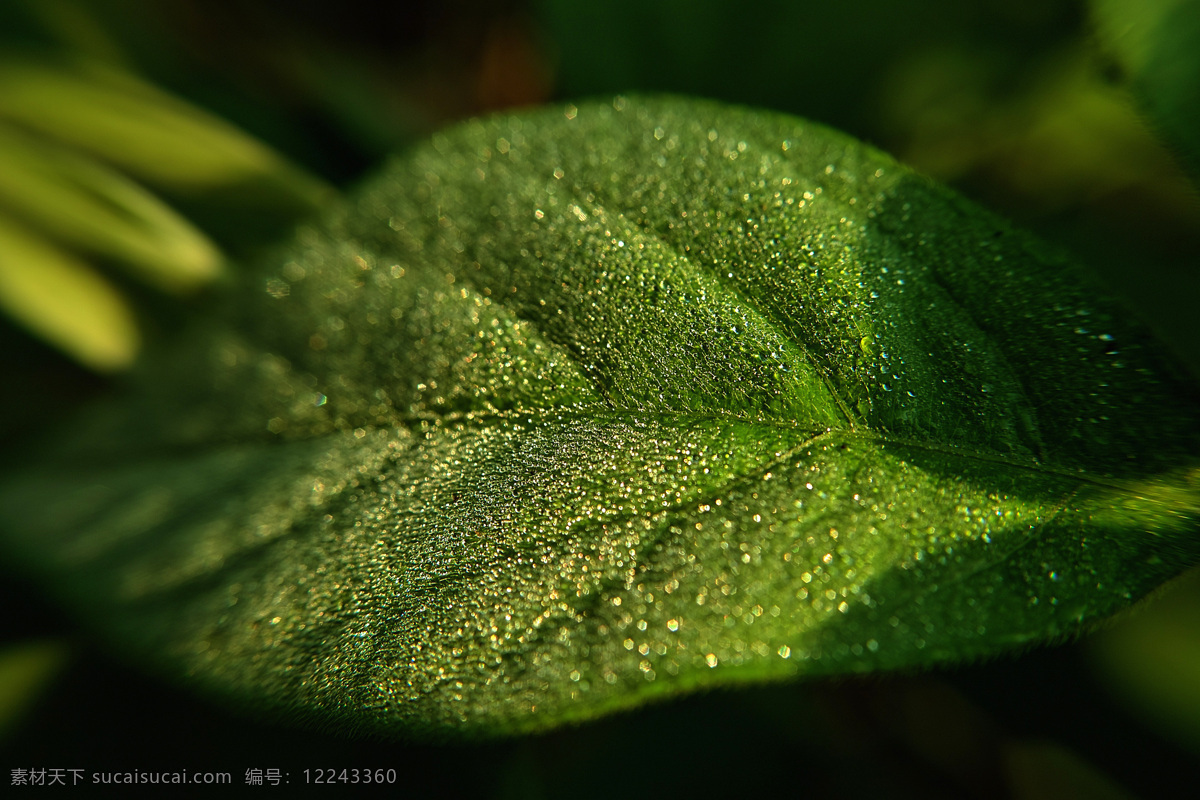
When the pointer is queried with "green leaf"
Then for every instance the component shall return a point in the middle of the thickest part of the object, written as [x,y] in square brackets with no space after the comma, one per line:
[577,408]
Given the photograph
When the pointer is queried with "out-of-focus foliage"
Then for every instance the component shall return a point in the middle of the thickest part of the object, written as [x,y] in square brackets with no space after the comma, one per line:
[1151,660]
[148,133]
[26,670]
[64,300]
[81,144]
[1155,42]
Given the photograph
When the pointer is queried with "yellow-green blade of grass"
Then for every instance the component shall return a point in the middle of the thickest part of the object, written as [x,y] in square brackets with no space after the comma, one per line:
[144,130]
[79,201]
[64,301]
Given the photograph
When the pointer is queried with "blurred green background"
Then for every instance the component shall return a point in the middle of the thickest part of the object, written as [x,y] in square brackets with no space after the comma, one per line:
[147,148]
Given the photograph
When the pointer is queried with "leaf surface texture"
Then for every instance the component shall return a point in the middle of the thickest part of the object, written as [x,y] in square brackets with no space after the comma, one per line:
[578,407]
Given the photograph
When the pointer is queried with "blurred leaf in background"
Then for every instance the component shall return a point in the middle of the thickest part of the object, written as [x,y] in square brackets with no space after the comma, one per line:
[1151,660]
[84,144]
[1154,42]
[25,672]
[1012,101]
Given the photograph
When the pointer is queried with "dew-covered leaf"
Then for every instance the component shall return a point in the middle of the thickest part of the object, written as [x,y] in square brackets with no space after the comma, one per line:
[576,408]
